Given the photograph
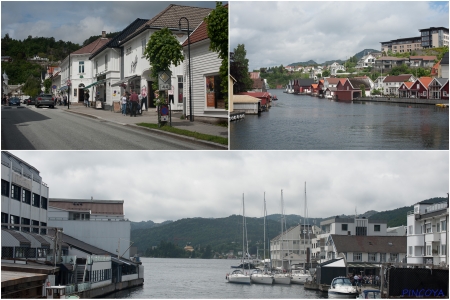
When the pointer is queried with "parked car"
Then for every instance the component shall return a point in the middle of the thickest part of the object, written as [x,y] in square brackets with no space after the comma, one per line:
[14,101]
[45,100]
[30,101]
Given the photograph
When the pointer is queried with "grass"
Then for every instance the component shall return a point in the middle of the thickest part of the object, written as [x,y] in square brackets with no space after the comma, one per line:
[194,134]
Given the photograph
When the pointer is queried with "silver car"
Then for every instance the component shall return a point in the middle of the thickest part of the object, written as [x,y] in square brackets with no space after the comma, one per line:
[45,100]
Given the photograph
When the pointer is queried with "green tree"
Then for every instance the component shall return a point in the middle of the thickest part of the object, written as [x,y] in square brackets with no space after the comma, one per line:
[363,90]
[217,28]
[32,86]
[239,69]
[326,73]
[163,50]
[47,85]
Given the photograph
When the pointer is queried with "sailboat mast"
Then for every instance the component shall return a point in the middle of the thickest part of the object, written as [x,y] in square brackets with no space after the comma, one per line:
[264,230]
[281,246]
[304,228]
[243,231]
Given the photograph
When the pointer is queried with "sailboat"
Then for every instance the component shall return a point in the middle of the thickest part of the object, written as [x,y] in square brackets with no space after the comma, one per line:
[282,277]
[258,275]
[238,275]
[301,276]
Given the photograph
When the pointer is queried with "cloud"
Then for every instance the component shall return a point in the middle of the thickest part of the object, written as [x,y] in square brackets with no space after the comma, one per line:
[172,185]
[284,32]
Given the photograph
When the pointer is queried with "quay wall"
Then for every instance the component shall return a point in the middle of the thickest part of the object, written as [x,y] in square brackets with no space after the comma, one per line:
[111,288]
[402,100]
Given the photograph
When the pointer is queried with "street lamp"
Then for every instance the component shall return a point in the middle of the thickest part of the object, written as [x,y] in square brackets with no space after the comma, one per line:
[191,117]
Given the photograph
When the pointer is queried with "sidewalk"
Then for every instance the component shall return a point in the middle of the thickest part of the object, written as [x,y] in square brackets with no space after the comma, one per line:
[150,116]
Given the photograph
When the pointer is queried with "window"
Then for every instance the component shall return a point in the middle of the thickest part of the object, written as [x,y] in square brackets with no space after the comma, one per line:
[377,228]
[96,66]
[344,227]
[394,257]
[428,250]
[410,249]
[428,228]
[372,257]
[15,192]
[43,202]
[410,229]
[444,225]
[128,51]
[81,67]
[443,249]
[143,46]
[4,219]
[357,256]
[26,196]
[36,200]
[14,220]
[44,230]
[214,95]
[180,89]
[25,221]
[438,227]
[35,229]
[106,62]
[5,188]
[382,257]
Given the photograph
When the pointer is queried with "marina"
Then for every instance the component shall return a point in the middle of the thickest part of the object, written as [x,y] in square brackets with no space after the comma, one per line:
[302,122]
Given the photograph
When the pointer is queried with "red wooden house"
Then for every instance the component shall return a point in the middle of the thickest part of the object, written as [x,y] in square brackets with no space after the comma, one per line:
[419,89]
[404,89]
[321,87]
[349,89]
[302,86]
[264,96]
[315,89]
[438,89]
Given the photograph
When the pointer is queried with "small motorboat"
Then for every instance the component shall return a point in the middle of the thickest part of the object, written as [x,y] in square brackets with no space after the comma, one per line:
[274,98]
[341,287]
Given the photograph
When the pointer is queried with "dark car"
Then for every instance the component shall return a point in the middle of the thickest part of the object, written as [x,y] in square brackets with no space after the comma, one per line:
[14,101]
[45,100]
[30,101]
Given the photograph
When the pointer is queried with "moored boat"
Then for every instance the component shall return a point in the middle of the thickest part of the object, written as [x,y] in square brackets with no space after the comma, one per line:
[300,276]
[238,276]
[259,276]
[341,287]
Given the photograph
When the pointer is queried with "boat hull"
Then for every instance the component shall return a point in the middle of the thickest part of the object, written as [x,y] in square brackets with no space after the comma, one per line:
[243,279]
[300,279]
[342,295]
[281,279]
[262,279]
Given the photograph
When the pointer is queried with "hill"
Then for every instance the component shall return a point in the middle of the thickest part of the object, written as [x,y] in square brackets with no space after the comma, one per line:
[304,64]
[224,234]
[329,62]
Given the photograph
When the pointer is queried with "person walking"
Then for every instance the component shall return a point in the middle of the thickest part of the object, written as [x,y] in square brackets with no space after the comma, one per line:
[124,104]
[65,99]
[86,99]
[134,99]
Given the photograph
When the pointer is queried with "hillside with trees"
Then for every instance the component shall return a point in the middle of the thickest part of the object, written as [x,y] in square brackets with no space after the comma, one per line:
[225,234]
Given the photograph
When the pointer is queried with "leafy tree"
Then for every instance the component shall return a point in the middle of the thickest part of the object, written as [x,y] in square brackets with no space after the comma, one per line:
[217,28]
[326,73]
[363,90]
[239,69]
[162,50]
[32,86]
[47,85]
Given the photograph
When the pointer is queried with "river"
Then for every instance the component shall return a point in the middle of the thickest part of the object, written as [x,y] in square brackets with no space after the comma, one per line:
[300,122]
[184,278]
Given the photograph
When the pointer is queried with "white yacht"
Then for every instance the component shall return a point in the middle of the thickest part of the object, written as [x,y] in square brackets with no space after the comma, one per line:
[341,287]
[238,276]
[259,276]
[300,276]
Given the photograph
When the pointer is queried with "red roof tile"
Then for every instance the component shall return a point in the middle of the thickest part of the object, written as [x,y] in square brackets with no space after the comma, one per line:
[198,35]
[425,81]
[399,78]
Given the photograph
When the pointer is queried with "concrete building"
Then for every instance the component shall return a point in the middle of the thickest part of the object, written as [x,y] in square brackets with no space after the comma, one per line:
[434,37]
[402,45]
[24,196]
[100,223]
[427,238]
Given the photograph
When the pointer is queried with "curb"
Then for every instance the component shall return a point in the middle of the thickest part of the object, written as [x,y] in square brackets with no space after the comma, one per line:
[191,139]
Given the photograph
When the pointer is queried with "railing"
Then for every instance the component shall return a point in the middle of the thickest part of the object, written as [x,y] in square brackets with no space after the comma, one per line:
[101,219]
[84,286]
[437,206]
[96,258]
[69,259]
[70,289]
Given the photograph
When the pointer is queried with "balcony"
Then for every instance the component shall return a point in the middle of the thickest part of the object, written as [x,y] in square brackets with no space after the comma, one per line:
[432,237]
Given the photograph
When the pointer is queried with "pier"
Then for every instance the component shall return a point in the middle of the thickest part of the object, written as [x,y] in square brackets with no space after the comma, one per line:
[403,100]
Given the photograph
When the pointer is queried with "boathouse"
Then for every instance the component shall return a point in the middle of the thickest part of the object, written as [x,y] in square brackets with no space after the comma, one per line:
[303,86]
[350,88]
[263,96]
[420,87]
[246,104]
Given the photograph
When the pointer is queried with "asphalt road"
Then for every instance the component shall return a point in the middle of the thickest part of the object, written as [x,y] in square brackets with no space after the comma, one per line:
[30,128]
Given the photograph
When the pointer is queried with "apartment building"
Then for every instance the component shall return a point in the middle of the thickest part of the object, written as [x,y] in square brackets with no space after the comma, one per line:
[402,45]
[434,37]
[428,233]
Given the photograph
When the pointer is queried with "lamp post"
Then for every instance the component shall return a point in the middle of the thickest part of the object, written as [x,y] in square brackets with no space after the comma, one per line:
[191,117]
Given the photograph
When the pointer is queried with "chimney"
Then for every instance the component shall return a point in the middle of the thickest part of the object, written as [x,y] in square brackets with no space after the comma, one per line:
[103,34]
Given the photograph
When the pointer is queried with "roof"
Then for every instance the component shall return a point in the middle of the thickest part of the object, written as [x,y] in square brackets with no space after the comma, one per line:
[114,42]
[399,78]
[258,83]
[333,80]
[305,82]
[315,85]
[199,34]
[92,47]
[245,99]
[19,237]
[391,58]
[369,244]
[408,84]
[19,165]
[356,82]
[425,81]
[170,17]
[256,94]
[433,57]
[254,75]
[95,206]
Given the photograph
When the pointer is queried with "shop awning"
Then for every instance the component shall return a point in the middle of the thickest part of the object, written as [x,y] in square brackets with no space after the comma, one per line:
[63,88]
[94,84]
[125,80]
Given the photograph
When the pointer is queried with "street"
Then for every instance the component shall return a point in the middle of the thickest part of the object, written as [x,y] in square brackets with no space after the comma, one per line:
[30,128]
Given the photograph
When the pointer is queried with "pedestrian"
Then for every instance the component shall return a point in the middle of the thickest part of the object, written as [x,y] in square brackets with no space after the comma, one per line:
[134,99]
[140,101]
[65,99]
[86,99]
[124,104]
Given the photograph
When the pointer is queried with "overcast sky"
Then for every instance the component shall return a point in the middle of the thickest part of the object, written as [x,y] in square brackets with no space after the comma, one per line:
[76,21]
[282,32]
[171,185]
